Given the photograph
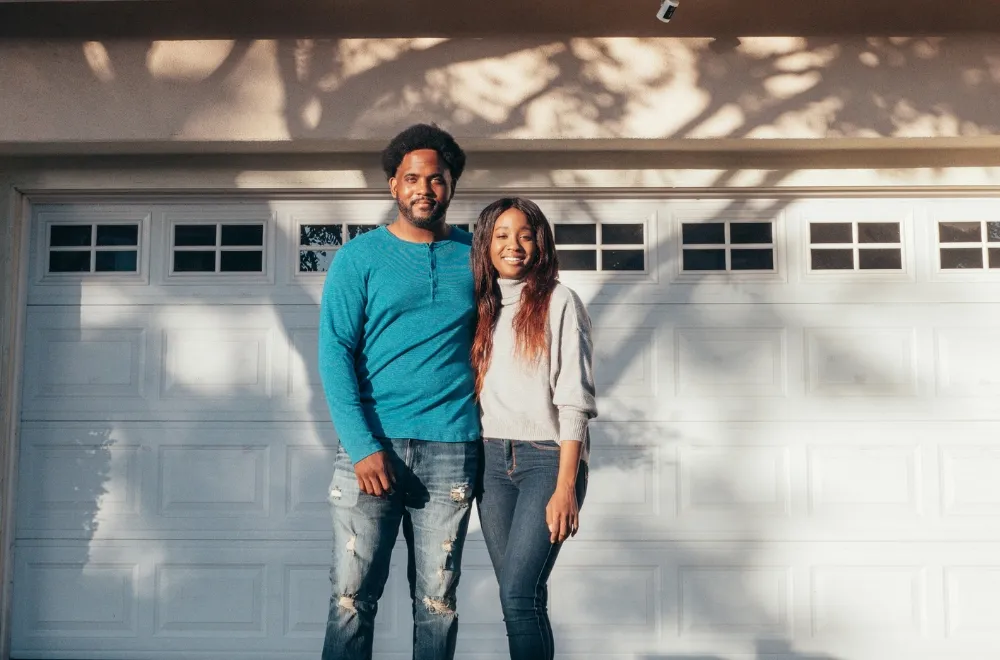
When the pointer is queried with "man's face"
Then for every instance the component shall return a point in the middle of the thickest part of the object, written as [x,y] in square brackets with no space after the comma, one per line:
[422,188]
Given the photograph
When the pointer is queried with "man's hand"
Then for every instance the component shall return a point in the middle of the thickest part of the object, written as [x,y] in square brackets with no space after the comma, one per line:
[374,474]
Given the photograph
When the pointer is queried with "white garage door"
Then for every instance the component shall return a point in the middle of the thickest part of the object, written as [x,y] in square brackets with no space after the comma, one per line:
[797,455]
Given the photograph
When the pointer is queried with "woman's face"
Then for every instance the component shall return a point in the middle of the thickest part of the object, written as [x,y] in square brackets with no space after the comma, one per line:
[512,249]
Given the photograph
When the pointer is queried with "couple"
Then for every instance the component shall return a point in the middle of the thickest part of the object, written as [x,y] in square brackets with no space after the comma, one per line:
[456,368]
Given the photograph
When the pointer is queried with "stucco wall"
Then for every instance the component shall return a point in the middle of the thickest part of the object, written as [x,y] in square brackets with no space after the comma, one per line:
[342,93]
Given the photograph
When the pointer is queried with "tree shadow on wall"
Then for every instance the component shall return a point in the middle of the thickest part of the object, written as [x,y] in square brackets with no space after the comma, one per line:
[780,88]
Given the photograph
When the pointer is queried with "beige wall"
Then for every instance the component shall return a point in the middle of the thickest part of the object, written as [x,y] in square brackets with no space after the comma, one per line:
[351,94]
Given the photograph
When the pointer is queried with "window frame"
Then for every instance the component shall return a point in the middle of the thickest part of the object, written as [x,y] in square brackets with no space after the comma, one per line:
[599,247]
[984,245]
[218,218]
[93,217]
[778,273]
[869,211]
[296,247]
[648,241]
[465,211]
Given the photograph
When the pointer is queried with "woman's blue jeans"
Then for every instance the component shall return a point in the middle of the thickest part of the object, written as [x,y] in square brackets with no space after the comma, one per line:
[518,481]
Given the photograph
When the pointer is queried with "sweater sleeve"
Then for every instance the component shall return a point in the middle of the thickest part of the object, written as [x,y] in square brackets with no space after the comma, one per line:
[573,391]
[341,323]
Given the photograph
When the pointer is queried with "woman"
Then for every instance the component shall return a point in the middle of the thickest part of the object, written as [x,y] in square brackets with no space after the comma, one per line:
[532,354]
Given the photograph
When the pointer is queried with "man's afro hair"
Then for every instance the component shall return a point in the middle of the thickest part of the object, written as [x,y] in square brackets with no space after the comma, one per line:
[424,136]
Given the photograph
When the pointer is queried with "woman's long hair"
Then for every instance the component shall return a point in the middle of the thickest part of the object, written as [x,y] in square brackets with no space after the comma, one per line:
[531,319]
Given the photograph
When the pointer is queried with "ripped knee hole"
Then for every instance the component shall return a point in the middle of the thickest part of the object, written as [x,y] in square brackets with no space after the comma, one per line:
[435,606]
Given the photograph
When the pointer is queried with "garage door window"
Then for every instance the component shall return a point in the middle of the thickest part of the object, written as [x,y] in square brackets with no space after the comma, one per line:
[319,242]
[969,245]
[601,247]
[727,246]
[852,246]
[218,248]
[93,248]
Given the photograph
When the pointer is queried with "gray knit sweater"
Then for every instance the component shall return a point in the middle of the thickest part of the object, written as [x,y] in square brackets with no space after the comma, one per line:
[553,398]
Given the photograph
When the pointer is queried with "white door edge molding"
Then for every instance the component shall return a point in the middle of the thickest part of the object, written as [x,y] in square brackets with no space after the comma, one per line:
[15,216]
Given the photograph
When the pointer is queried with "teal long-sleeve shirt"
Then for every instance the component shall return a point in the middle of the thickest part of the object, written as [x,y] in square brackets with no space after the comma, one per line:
[395,332]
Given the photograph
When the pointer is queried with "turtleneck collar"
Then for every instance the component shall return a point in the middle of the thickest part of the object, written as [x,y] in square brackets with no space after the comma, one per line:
[510,290]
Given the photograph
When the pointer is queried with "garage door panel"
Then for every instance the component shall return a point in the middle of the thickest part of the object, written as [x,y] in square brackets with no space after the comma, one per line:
[187,363]
[970,601]
[662,480]
[732,362]
[874,481]
[211,599]
[73,360]
[576,588]
[629,482]
[794,362]
[981,290]
[60,585]
[117,480]
[861,362]
[77,479]
[968,362]
[652,363]
[734,598]
[884,601]
[740,600]
[719,480]
[223,362]
[792,480]
[969,479]
[213,480]
[919,277]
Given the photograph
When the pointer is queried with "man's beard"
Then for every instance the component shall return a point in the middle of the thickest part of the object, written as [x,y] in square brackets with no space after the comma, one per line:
[431,221]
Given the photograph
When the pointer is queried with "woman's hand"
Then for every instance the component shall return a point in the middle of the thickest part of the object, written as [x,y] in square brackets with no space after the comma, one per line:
[562,514]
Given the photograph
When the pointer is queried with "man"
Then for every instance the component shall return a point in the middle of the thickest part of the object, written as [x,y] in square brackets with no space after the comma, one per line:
[396,323]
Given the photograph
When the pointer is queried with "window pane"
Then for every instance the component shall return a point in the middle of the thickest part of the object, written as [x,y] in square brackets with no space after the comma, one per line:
[703,233]
[70,236]
[623,260]
[69,262]
[117,235]
[832,259]
[750,232]
[993,232]
[241,262]
[830,232]
[994,257]
[576,234]
[353,231]
[194,235]
[315,261]
[125,261]
[621,234]
[880,259]
[952,258]
[960,232]
[320,235]
[186,261]
[752,259]
[878,232]
[704,260]
[242,234]
[577,259]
